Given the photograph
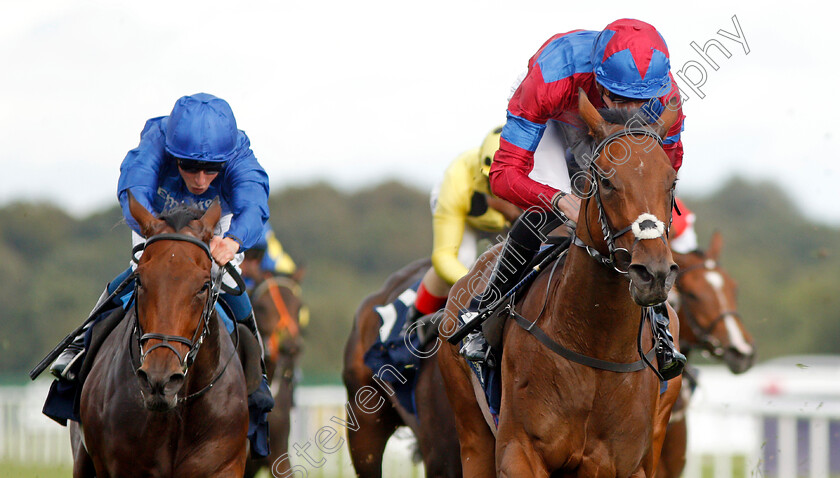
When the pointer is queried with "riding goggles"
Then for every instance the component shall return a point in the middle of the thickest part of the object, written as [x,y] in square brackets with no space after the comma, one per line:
[194,166]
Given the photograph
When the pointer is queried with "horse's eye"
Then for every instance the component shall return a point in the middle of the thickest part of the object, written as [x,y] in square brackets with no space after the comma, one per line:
[606,184]
[205,287]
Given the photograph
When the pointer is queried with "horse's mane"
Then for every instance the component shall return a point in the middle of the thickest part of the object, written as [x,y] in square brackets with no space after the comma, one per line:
[180,216]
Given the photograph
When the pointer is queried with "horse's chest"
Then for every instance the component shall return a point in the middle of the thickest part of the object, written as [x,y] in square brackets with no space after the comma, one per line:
[604,425]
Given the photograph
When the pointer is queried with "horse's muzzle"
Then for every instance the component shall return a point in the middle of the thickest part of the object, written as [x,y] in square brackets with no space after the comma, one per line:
[650,282]
[160,391]
[737,361]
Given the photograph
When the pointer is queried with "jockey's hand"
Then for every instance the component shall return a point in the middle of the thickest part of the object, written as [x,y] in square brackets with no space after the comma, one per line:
[223,249]
[568,204]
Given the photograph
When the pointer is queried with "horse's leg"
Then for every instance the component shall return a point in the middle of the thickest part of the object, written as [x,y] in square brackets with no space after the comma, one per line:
[663,415]
[672,458]
[367,442]
[436,433]
[82,462]
[476,439]
[368,438]
[280,418]
[664,406]
[516,459]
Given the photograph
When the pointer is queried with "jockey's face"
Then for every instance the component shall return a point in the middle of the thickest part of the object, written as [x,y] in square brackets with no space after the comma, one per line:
[197,181]
[613,101]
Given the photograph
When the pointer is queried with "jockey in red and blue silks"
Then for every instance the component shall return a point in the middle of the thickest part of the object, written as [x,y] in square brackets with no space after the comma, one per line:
[190,157]
[625,65]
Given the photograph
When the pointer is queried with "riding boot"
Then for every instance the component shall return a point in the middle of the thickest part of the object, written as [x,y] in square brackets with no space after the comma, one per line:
[250,323]
[669,359]
[508,271]
[63,367]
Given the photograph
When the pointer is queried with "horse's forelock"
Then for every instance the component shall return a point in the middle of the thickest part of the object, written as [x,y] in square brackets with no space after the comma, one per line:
[179,217]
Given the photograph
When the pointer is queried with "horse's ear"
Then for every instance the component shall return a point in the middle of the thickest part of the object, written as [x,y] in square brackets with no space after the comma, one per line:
[148,223]
[211,216]
[590,115]
[668,118]
[715,246]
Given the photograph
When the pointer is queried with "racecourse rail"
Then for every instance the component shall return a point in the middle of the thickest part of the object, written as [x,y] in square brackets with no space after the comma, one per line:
[781,419]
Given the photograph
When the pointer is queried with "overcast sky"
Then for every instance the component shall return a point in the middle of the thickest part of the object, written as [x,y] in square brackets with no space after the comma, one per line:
[357,92]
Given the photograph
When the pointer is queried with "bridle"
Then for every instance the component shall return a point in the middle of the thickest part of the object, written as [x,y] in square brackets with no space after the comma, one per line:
[609,235]
[194,343]
[286,322]
[704,335]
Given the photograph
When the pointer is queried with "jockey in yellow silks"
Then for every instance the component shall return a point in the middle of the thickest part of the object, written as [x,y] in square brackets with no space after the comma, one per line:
[462,209]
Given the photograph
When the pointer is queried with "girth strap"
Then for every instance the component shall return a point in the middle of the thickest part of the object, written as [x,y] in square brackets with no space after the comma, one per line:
[540,335]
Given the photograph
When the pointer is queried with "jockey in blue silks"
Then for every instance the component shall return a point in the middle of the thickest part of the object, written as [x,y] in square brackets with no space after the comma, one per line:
[189,158]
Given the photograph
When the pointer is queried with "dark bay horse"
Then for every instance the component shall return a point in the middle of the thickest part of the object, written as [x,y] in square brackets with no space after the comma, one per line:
[704,297]
[166,394]
[434,430]
[278,308]
[562,418]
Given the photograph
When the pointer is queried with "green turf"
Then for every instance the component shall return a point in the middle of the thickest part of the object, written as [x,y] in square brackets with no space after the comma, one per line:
[29,470]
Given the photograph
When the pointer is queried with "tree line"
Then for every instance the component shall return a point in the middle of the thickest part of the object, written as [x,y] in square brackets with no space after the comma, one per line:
[53,266]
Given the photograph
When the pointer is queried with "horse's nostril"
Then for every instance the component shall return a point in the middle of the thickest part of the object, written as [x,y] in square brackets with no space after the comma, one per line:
[144,378]
[640,273]
[176,380]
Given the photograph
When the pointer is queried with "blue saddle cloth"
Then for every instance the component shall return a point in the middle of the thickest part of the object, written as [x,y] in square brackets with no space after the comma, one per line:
[391,350]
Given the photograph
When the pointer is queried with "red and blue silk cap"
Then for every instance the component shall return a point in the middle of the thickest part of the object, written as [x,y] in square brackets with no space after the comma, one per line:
[630,59]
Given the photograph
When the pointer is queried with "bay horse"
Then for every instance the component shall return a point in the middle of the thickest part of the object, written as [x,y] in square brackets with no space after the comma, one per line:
[705,298]
[278,307]
[166,393]
[434,429]
[558,417]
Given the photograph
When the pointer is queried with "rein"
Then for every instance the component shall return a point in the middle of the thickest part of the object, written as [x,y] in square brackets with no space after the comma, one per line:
[194,343]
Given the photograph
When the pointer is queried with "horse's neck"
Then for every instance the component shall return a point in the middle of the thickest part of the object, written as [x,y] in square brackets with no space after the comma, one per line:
[594,310]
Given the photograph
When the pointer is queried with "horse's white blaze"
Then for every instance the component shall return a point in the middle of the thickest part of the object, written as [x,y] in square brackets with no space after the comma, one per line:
[736,338]
[650,232]
[716,281]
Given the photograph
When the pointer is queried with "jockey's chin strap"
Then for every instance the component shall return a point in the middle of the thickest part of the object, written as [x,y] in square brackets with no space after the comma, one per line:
[194,344]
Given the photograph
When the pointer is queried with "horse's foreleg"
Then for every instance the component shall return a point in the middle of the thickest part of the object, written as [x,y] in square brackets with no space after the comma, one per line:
[672,458]
[660,428]
[516,460]
[476,439]
[368,439]
[82,462]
